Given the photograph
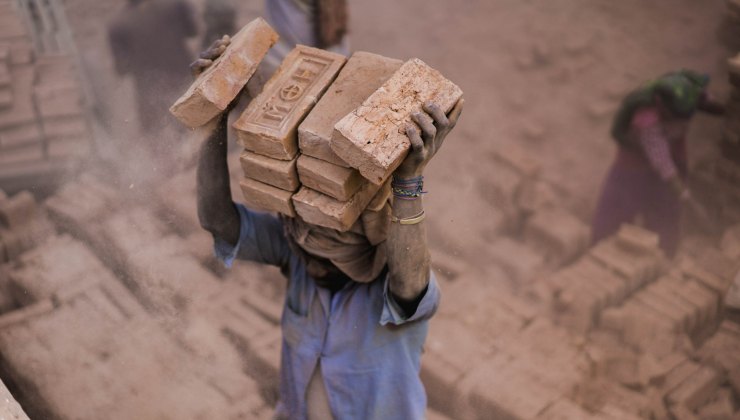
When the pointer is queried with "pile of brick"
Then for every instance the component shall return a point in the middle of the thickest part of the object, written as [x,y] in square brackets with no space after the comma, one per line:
[325,133]
[124,361]
[43,124]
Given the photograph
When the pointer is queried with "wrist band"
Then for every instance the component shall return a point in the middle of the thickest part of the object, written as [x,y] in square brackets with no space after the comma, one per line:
[408,189]
[409,221]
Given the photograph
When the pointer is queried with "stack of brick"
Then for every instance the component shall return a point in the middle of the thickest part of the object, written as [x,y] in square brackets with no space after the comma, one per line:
[467,379]
[126,366]
[59,267]
[22,225]
[557,234]
[79,205]
[325,158]
[609,273]
[268,128]
[61,107]
[333,193]
[43,122]
[154,262]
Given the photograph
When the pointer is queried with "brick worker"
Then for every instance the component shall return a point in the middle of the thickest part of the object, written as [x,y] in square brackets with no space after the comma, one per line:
[355,315]
[148,42]
[648,177]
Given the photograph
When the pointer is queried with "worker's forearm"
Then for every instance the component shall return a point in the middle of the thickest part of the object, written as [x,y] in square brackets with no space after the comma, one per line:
[408,256]
[216,211]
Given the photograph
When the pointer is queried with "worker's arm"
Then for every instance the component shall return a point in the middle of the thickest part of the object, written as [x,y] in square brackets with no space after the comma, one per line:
[238,232]
[408,256]
[216,212]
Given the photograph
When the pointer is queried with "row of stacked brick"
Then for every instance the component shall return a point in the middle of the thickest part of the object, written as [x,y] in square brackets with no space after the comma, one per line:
[325,133]
[617,334]
[42,117]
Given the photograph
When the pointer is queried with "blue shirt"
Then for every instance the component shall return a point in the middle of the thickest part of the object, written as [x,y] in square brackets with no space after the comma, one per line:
[370,352]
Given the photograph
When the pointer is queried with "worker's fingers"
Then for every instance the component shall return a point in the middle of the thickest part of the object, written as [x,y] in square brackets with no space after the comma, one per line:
[417,144]
[197,66]
[440,119]
[455,113]
[426,123]
[213,53]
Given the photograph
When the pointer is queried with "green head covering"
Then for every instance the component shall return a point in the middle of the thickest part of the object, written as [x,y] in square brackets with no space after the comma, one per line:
[679,91]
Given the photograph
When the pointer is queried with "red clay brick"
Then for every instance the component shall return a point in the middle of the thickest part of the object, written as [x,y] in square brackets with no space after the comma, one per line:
[260,196]
[335,181]
[371,138]
[269,125]
[278,173]
[215,88]
[322,210]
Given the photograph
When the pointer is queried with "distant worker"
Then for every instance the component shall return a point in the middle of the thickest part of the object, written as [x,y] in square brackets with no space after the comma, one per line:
[316,23]
[148,42]
[648,177]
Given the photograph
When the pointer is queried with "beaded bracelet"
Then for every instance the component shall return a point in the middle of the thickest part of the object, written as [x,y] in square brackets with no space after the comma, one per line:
[408,189]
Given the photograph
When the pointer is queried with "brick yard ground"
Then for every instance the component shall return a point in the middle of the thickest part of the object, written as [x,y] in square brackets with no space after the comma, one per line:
[533,324]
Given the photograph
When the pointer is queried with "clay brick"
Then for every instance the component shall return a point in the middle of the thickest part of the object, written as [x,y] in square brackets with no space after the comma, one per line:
[636,239]
[375,224]
[36,309]
[558,234]
[683,372]
[266,197]
[215,88]
[25,154]
[335,181]
[20,135]
[66,128]
[677,319]
[278,173]
[18,210]
[696,390]
[664,290]
[68,148]
[363,74]
[371,137]
[22,110]
[55,101]
[591,270]
[269,125]
[12,26]
[322,210]
[21,53]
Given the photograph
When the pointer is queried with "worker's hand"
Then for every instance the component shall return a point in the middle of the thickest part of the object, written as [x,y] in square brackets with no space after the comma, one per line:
[208,56]
[435,126]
